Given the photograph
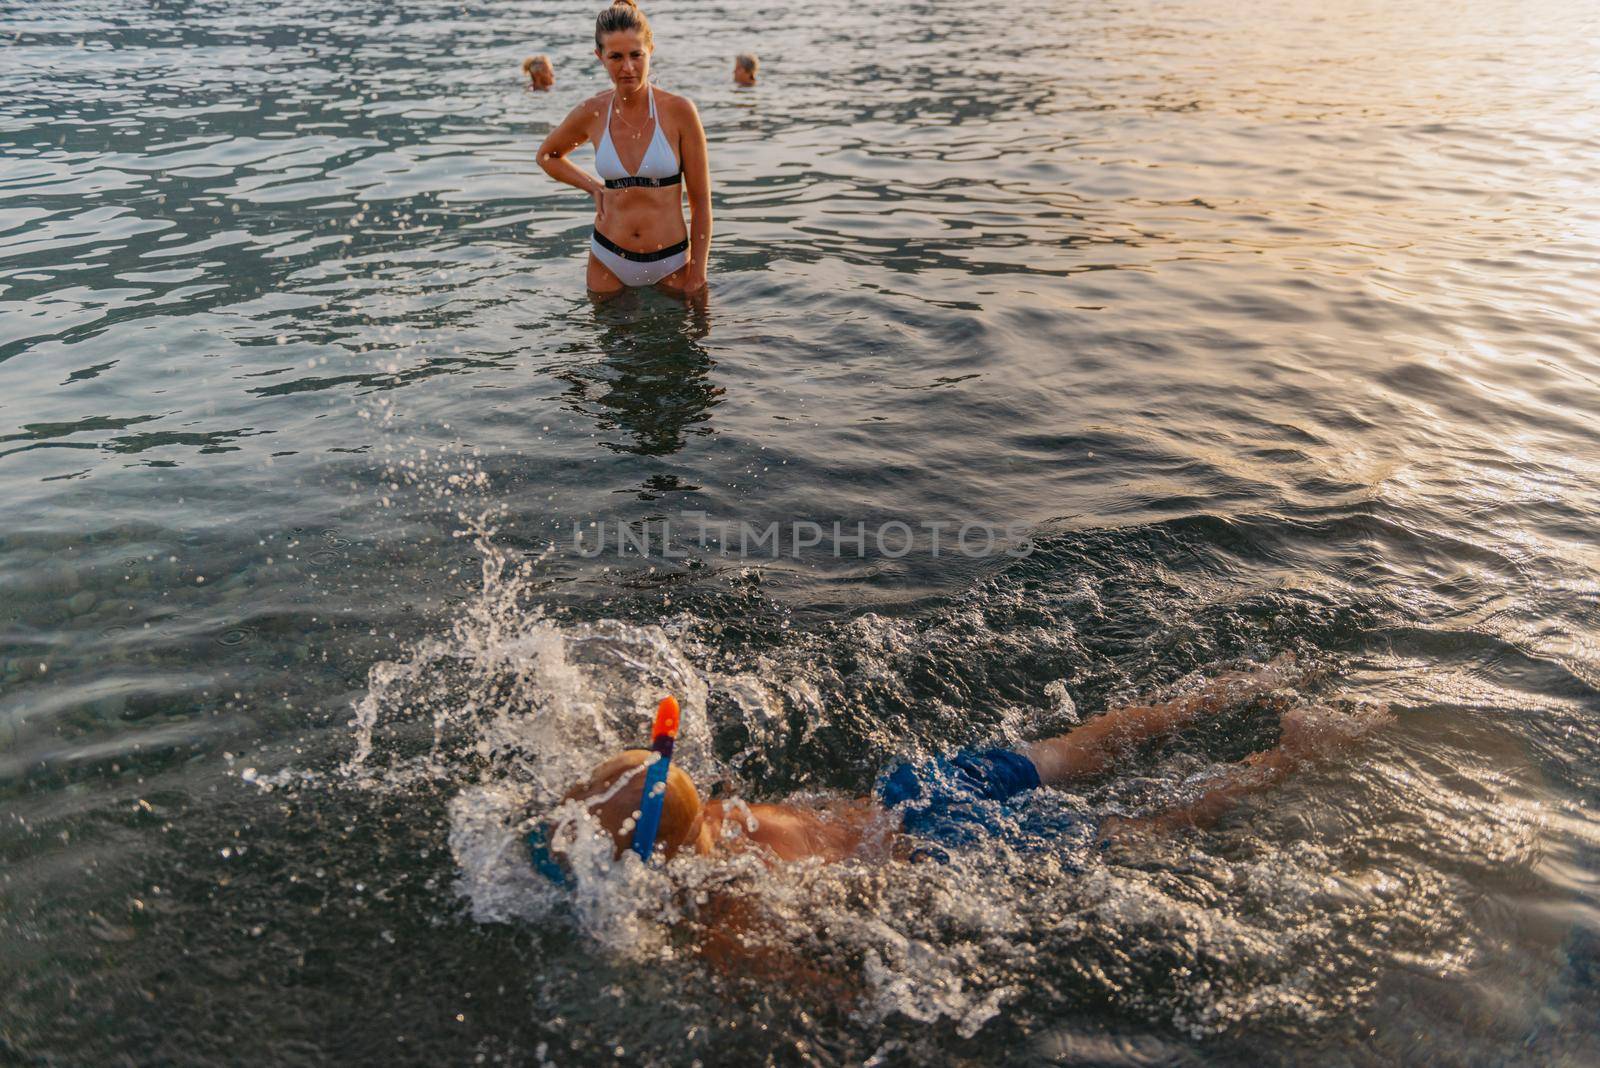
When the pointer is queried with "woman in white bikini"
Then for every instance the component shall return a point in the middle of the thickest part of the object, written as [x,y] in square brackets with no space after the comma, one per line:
[649,149]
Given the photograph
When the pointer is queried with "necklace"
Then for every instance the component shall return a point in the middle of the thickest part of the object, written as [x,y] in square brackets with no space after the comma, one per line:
[637,129]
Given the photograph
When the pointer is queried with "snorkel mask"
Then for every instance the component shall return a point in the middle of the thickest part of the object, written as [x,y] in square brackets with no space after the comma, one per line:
[654,798]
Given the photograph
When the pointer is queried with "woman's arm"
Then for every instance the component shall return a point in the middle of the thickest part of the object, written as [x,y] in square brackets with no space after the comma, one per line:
[574,131]
[697,180]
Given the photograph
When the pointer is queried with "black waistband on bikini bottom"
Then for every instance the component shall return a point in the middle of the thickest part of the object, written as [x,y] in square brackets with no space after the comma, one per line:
[640,257]
[636,182]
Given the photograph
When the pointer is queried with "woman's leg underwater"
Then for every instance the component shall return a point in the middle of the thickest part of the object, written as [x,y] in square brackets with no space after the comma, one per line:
[603,284]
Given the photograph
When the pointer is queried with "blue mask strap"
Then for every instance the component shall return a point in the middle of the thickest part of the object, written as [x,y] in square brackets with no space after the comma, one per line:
[544,862]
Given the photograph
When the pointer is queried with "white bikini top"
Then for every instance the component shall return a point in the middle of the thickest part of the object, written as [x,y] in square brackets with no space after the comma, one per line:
[659,166]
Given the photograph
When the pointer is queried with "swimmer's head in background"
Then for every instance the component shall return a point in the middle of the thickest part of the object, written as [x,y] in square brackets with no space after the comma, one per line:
[541,73]
[745,66]
[623,41]
[614,794]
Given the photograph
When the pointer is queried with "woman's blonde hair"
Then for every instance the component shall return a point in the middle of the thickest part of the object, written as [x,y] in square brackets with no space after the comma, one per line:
[622,15]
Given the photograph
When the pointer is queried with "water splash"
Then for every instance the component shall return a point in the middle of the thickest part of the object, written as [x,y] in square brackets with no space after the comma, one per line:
[1200,933]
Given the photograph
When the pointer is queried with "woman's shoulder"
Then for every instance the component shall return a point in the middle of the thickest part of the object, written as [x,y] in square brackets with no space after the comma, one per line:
[675,104]
[593,106]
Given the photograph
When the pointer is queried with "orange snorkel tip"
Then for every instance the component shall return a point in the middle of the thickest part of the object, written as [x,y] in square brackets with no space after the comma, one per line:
[667,715]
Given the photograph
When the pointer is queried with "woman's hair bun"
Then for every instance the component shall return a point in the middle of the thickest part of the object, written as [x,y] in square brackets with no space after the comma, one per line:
[622,15]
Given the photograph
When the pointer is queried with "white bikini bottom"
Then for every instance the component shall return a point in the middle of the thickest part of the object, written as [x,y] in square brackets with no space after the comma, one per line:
[638,268]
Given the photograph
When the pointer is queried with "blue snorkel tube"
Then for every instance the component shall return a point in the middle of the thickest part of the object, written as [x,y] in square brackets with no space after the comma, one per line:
[651,802]
[654,799]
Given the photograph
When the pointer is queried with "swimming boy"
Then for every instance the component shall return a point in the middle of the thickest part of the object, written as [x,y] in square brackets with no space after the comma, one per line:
[745,65]
[925,806]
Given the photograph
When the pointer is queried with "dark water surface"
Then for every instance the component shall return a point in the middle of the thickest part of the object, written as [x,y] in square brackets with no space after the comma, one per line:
[1265,326]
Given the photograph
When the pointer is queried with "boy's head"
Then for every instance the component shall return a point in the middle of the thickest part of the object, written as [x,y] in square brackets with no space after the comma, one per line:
[613,791]
[745,65]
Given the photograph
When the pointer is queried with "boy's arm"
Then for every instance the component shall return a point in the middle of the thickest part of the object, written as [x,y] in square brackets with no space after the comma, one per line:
[740,942]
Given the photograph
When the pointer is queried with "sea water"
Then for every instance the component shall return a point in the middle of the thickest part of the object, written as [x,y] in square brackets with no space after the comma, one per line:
[1243,329]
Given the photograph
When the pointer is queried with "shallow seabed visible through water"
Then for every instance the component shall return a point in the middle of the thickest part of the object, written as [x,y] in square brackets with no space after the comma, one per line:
[1248,328]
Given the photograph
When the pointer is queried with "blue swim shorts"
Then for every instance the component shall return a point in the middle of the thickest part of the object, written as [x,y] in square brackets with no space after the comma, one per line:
[959,800]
